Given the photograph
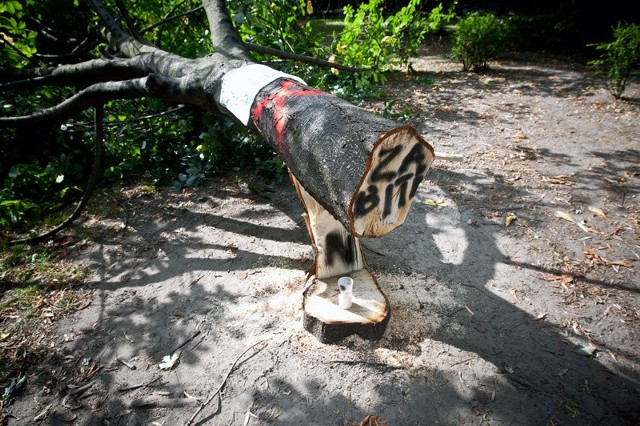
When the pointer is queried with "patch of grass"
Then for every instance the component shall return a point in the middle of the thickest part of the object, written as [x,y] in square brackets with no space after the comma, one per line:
[36,287]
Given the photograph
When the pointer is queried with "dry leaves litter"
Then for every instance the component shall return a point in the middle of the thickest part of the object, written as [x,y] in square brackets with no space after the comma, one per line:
[596,259]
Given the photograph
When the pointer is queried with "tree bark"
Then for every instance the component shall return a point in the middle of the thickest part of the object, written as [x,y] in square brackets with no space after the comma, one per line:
[364,169]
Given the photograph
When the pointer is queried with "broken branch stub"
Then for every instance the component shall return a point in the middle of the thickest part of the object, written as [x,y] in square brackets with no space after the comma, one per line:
[361,167]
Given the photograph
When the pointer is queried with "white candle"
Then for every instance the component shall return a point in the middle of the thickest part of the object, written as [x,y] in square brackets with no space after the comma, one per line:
[345,298]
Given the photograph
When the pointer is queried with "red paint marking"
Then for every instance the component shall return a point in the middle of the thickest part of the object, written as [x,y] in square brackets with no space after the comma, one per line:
[278,99]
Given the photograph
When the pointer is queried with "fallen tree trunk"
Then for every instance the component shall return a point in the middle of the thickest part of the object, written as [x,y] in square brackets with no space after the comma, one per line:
[361,167]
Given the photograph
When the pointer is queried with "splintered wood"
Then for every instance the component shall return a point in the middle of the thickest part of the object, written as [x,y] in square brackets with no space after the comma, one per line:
[338,254]
[336,251]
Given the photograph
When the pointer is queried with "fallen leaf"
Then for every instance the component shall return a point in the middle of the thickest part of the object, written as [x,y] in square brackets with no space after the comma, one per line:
[594,257]
[190,396]
[559,180]
[515,296]
[444,108]
[509,218]
[564,278]
[597,211]
[14,387]
[243,275]
[521,136]
[566,216]
[168,362]
[625,263]
[541,317]
[373,421]
[433,203]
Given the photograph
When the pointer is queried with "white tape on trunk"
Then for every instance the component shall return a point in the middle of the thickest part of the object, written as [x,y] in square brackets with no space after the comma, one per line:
[241,85]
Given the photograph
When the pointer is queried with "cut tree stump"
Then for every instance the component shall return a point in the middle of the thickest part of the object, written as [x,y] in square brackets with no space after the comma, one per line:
[339,254]
[352,184]
[367,317]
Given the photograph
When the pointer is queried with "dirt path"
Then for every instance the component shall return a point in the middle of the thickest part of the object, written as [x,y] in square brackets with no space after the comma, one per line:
[491,324]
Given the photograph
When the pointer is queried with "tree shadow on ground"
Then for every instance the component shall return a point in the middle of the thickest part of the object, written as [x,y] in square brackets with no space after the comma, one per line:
[463,351]
[486,358]
[172,282]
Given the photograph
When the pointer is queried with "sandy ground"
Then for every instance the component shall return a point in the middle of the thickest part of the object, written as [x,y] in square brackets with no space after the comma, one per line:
[534,323]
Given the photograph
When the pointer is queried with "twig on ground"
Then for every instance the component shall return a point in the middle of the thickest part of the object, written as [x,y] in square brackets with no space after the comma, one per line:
[369,363]
[193,336]
[224,381]
[446,156]
[138,386]
[130,366]
[372,250]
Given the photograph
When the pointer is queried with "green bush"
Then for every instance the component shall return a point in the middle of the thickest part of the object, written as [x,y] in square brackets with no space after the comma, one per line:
[376,39]
[479,37]
[621,57]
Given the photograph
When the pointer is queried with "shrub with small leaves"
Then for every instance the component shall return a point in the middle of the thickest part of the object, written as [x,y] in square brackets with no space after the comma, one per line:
[621,57]
[479,37]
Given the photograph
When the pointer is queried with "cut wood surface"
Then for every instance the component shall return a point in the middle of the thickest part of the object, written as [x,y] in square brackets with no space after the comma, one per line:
[336,251]
[397,164]
[367,316]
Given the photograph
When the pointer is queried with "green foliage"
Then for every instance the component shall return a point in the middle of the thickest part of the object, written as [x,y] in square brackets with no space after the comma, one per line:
[231,147]
[621,57]
[374,39]
[390,111]
[275,23]
[186,36]
[18,44]
[479,37]
[30,190]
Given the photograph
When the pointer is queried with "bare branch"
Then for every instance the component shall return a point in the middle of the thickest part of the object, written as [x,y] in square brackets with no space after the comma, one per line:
[82,49]
[127,18]
[186,90]
[107,19]
[91,96]
[224,35]
[119,39]
[303,58]
[170,18]
[82,74]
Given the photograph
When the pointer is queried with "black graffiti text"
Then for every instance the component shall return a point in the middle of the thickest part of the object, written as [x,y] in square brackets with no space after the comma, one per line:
[399,185]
